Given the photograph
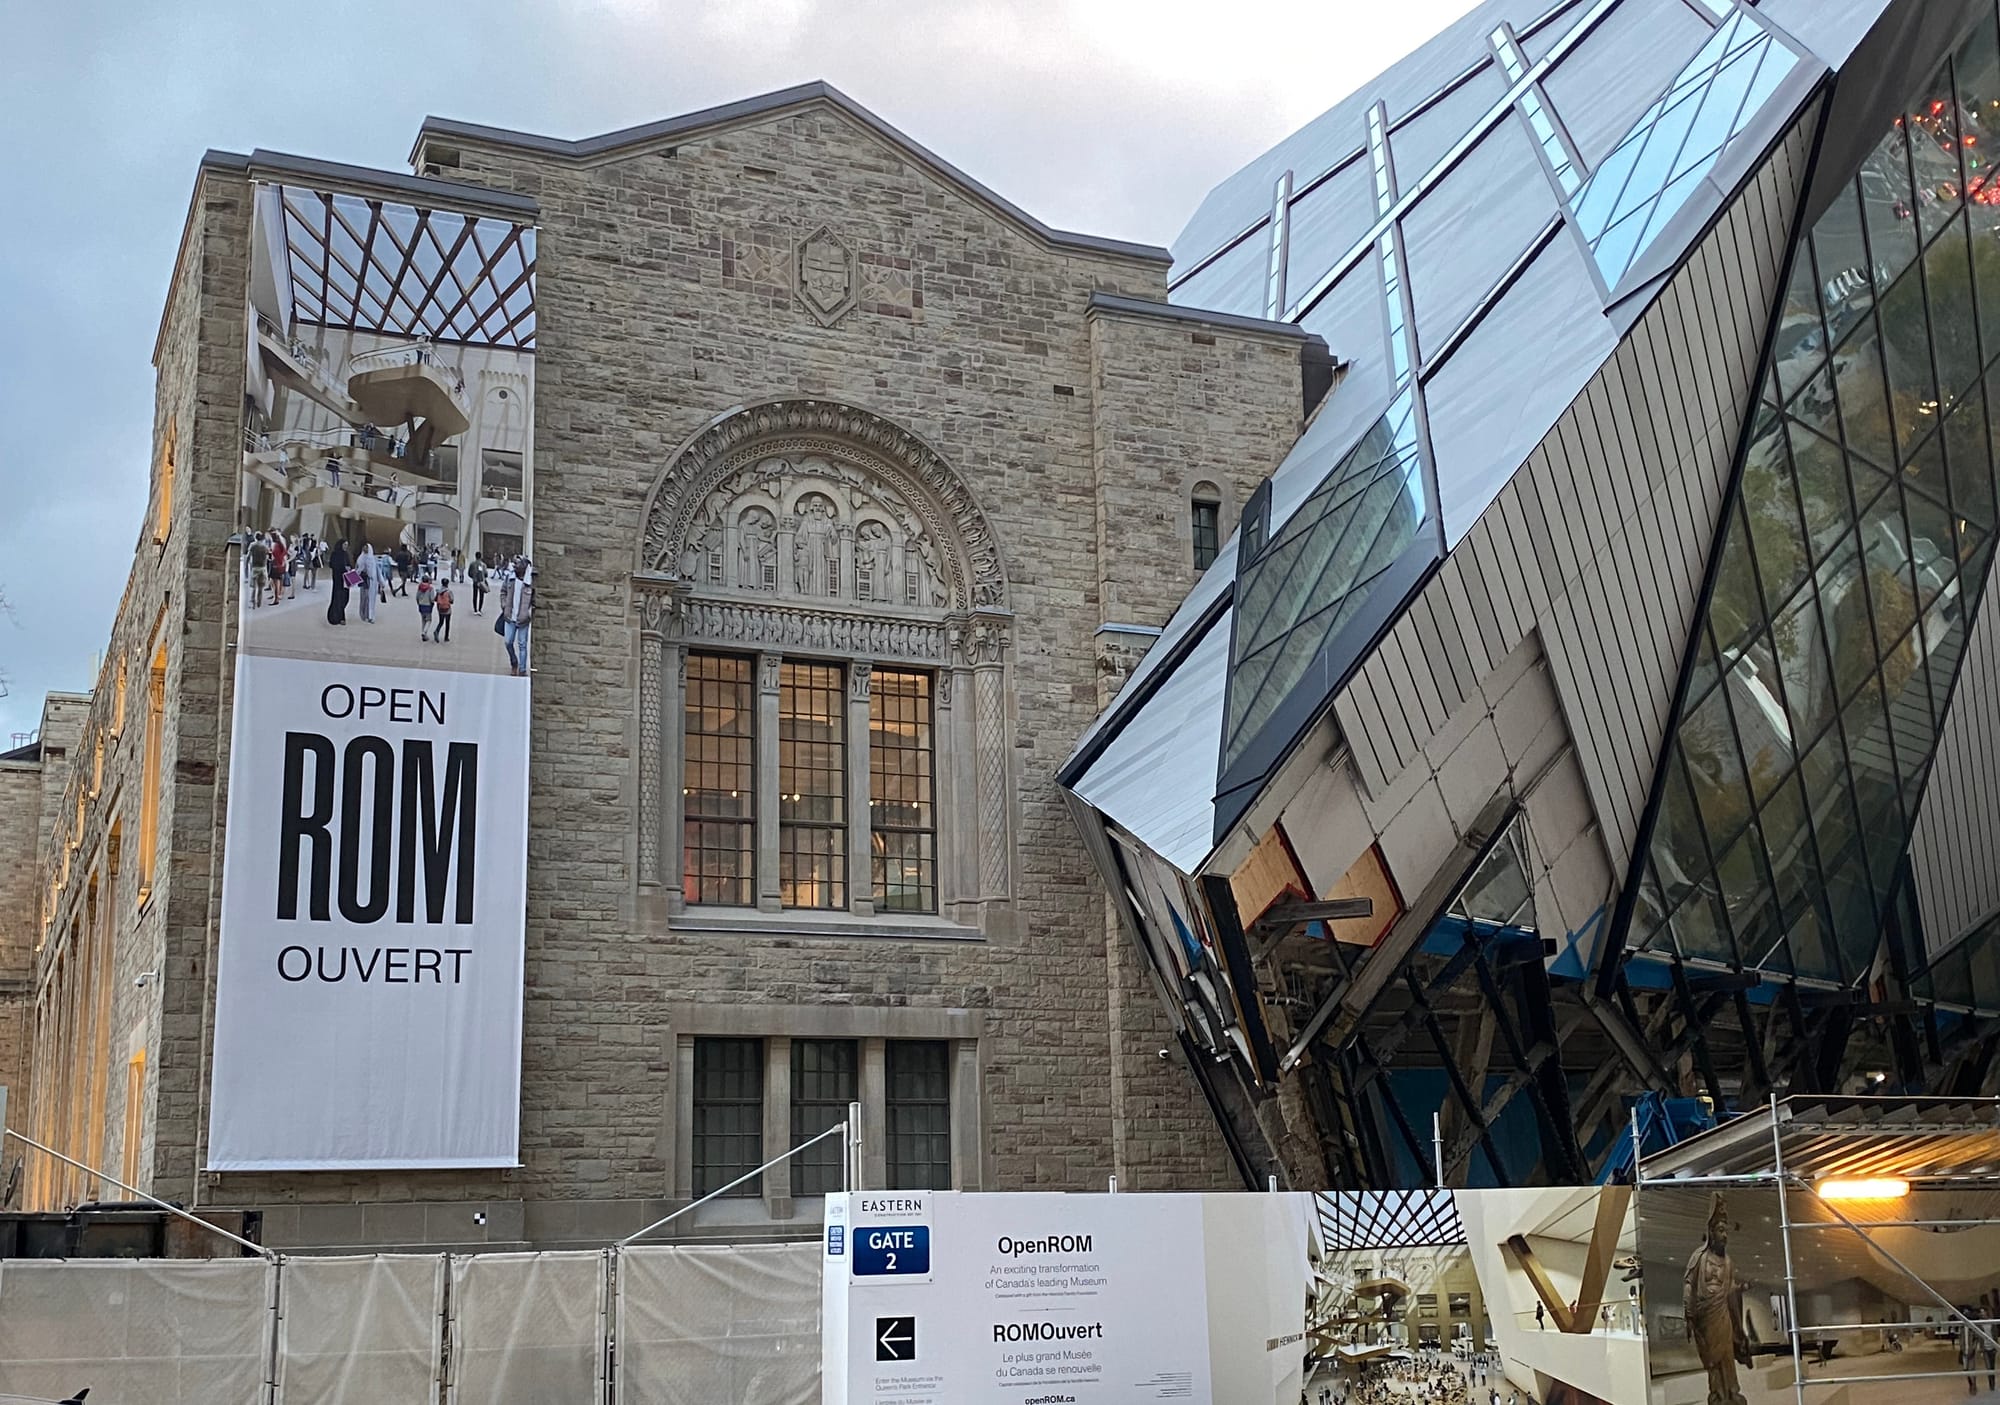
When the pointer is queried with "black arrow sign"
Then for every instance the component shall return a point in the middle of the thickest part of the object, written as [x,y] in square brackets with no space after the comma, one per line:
[895,1339]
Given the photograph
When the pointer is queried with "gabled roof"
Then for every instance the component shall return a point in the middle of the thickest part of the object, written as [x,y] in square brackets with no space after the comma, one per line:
[748,111]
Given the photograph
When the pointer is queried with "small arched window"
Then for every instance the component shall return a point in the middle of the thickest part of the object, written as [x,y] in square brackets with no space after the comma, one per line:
[1205,515]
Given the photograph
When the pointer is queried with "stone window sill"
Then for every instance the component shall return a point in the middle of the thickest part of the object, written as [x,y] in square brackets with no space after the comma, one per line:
[748,922]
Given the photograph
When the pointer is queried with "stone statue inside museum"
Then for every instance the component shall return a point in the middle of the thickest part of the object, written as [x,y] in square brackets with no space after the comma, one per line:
[1712,1301]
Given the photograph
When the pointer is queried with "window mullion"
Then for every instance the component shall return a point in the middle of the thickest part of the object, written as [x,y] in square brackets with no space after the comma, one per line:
[769,671]
[860,807]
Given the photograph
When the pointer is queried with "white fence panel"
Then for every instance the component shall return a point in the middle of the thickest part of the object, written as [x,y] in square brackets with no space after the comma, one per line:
[136,1331]
[360,1331]
[700,1326]
[527,1329]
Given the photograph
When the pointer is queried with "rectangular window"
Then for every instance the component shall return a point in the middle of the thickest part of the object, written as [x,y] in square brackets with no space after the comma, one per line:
[1207,533]
[919,1114]
[728,1114]
[825,1079]
[718,795]
[812,785]
[902,820]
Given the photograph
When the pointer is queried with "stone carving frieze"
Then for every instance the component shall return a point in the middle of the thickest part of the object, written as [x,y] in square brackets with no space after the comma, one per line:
[780,627]
[809,500]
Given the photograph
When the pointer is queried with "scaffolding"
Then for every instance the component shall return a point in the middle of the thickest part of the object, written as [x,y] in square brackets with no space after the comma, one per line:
[1886,1156]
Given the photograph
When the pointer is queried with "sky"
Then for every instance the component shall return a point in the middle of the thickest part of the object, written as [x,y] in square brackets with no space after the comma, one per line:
[1111,117]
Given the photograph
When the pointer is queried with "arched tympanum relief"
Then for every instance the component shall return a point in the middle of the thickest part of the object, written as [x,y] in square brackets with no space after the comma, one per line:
[804,528]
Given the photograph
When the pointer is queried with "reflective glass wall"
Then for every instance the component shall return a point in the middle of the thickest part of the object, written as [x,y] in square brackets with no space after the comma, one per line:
[1852,557]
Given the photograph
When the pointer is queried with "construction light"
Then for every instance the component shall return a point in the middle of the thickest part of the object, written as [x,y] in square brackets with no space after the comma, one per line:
[1864,1188]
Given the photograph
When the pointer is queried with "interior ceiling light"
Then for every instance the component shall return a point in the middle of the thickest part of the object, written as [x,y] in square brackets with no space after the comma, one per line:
[1863,1188]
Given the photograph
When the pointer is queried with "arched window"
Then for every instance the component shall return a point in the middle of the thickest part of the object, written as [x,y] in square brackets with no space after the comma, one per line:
[1205,517]
[823,645]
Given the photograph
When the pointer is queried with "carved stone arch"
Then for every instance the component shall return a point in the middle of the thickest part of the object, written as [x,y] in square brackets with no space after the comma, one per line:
[898,568]
[725,455]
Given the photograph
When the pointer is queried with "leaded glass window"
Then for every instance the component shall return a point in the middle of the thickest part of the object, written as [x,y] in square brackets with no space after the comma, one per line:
[812,785]
[719,790]
[919,1114]
[1207,528]
[728,1114]
[825,1079]
[902,814]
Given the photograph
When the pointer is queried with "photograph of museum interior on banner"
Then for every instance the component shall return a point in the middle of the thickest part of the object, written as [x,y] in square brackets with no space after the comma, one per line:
[1664,1294]
[369,988]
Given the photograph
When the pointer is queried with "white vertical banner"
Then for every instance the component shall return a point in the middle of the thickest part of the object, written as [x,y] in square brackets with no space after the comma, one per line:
[369,981]
[368,1000]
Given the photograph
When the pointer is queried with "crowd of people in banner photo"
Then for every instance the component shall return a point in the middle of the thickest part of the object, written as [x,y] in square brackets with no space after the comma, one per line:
[423,586]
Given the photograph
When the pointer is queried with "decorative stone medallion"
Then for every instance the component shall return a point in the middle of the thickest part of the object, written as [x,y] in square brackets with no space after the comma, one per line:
[824,273]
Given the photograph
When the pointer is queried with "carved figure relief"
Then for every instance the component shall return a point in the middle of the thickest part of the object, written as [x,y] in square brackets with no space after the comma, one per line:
[874,563]
[941,553]
[816,548]
[756,550]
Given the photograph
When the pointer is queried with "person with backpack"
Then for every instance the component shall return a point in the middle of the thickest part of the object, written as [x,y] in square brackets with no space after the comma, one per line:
[444,603]
[476,573]
[426,602]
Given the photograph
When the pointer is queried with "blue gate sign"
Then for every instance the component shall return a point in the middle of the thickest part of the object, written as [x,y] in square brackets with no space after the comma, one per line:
[882,1250]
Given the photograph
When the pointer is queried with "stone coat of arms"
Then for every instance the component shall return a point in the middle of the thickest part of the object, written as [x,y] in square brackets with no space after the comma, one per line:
[824,275]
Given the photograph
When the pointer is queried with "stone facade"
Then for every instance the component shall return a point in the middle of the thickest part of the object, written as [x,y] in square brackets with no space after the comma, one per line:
[788,258]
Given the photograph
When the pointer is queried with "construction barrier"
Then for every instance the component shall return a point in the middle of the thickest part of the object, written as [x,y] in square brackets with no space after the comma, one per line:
[668,1325]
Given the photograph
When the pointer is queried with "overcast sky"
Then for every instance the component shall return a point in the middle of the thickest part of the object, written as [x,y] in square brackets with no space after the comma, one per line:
[1107,116]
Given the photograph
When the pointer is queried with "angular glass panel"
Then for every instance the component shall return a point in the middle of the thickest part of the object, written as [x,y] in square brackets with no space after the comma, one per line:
[1680,853]
[1715,770]
[1889,204]
[1639,187]
[1706,670]
[1649,913]
[1698,929]
[1604,84]
[1864,405]
[1736,608]
[1296,594]
[1744,882]
[1762,724]
[1807,672]
[1772,511]
[1822,487]
[1933,132]
[1966,447]
[1907,693]
[1802,341]
[1808,945]
[1954,329]
[1944,642]
[1913,397]
[1841,254]
[1891,587]
[1843,603]
[1932,557]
